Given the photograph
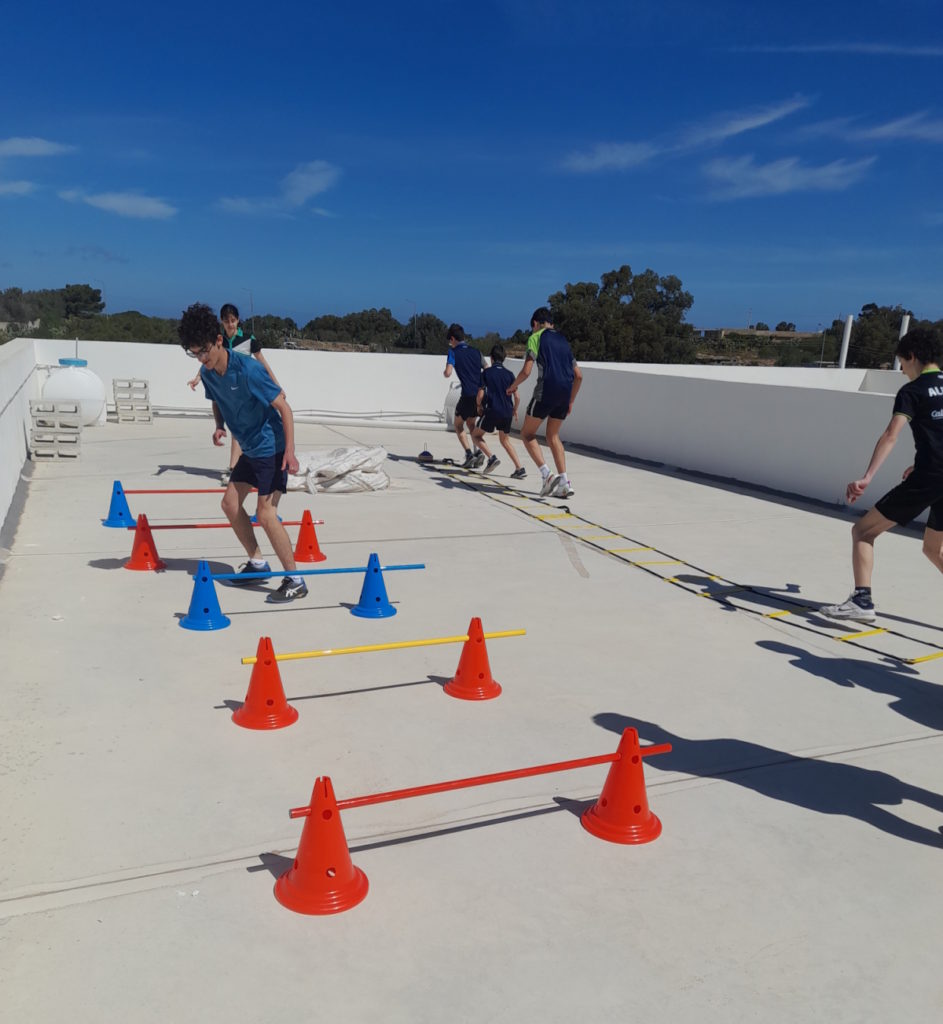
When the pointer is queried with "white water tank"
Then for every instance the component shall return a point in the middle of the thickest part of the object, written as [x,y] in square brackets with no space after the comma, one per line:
[74,382]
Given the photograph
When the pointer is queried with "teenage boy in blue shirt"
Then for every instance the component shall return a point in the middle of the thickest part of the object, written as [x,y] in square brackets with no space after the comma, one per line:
[919,403]
[468,363]
[496,408]
[558,380]
[253,406]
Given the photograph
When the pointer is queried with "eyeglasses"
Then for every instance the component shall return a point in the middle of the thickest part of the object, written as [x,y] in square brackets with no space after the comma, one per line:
[201,353]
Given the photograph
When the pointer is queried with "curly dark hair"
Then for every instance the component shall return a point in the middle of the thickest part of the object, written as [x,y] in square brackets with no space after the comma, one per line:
[923,343]
[198,326]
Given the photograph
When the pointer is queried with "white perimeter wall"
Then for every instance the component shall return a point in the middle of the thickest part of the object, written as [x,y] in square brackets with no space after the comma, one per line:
[805,432]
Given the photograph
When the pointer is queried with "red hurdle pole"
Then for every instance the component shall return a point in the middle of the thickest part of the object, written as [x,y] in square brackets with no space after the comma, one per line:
[478,780]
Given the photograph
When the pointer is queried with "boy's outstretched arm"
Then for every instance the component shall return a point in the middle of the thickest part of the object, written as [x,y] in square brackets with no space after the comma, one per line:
[881,451]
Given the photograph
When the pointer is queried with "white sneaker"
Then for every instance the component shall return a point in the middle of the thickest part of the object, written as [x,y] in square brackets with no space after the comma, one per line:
[849,610]
[562,488]
[547,486]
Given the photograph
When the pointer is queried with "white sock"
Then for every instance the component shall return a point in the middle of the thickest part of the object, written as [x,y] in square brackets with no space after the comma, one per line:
[257,563]
[545,471]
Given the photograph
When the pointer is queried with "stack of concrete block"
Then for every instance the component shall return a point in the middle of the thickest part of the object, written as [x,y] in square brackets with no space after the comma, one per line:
[132,401]
[56,431]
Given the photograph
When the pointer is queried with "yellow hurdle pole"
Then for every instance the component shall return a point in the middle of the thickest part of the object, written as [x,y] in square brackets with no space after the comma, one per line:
[397,645]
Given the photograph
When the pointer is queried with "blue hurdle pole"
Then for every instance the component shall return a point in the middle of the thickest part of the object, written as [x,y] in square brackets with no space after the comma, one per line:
[303,572]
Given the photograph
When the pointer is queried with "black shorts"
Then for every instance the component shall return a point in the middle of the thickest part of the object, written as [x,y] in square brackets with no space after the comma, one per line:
[490,423]
[909,498]
[467,408]
[553,408]
[265,473]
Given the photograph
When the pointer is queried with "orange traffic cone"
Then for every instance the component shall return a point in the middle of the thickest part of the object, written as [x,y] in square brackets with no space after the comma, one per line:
[621,813]
[307,550]
[265,705]
[472,679]
[144,551]
[322,880]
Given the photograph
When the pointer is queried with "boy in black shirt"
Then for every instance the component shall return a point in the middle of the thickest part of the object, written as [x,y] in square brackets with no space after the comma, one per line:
[496,409]
[919,403]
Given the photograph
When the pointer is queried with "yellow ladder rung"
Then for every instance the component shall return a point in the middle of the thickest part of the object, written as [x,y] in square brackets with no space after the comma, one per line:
[556,515]
[857,636]
[625,551]
[925,657]
[667,561]
[776,615]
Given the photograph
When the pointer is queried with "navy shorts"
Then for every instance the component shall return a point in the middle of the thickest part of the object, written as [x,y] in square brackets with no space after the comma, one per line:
[265,473]
[467,408]
[490,423]
[909,498]
[553,408]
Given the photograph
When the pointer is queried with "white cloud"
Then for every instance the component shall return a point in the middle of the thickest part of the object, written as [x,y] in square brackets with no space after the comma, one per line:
[742,177]
[867,49]
[18,146]
[124,204]
[727,126]
[610,156]
[295,189]
[16,188]
[622,156]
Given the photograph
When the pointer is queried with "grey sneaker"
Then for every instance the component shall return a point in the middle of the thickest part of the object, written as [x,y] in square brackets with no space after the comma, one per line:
[849,610]
[562,488]
[519,474]
[288,591]
[479,460]
[469,460]
[548,485]
[493,464]
[247,568]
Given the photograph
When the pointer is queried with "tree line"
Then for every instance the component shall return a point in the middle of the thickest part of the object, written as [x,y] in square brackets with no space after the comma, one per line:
[625,317]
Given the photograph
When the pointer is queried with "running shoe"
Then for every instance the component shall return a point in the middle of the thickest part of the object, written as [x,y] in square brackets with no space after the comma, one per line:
[469,459]
[519,474]
[479,460]
[288,591]
[547,486]
[247,568]
[849,610]
[493,464]
[562,488]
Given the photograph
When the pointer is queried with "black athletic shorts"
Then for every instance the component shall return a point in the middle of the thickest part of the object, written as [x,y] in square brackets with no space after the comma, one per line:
[554,409]
[909,498]
[490,423]
[266,474]
[467,408]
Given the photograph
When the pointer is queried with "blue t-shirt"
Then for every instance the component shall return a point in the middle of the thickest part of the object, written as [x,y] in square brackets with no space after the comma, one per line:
[496,380]
[244,394]
[468,363]
[554,365]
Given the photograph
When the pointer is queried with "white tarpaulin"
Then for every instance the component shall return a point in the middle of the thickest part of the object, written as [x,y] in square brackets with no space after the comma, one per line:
[344,469]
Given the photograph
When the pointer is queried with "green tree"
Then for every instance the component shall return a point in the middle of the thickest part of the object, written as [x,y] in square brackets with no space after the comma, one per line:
[874,336]
[82,300]
[784,325]
[627,318]
[760,326]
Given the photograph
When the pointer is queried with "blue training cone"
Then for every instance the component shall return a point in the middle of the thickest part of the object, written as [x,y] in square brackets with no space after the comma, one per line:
[373,602]
[204,613]
[119,515]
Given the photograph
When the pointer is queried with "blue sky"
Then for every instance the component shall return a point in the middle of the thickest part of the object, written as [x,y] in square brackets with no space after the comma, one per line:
[468,159]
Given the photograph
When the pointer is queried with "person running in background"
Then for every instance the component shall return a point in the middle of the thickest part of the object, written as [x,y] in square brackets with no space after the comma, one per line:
[235,340]
[468,363]
[254,407]
[919,403]
[496,408]
[558,381]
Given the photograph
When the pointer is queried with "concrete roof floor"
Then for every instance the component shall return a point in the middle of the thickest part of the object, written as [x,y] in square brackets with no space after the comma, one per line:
[797,877]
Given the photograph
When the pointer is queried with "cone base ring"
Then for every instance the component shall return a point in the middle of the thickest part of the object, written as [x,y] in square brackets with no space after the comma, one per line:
[281,720]
[642,832]
[465,692]
[331,902]
[150,567]
[204,625]
[373,613]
